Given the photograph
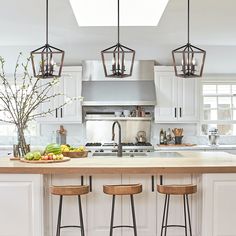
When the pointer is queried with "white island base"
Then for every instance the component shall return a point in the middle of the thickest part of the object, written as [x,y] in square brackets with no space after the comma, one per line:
[28,209]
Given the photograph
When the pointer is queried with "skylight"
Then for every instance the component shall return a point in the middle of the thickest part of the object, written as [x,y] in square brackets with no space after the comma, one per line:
[132,12]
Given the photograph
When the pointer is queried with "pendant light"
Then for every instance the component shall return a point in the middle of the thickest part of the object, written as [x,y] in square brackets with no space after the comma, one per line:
[118,60]
[192,58]
[44,58]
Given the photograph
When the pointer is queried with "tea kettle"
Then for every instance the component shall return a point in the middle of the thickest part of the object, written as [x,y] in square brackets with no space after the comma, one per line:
[141,137]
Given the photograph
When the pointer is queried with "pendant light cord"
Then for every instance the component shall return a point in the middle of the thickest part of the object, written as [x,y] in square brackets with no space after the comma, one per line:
[118,19]
[46,22]
[188,19]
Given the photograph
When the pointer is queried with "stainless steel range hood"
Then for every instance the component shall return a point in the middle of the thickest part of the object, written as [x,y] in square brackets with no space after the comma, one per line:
[136,90]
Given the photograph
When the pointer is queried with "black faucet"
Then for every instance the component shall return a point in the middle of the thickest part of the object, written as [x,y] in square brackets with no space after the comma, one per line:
[119,153]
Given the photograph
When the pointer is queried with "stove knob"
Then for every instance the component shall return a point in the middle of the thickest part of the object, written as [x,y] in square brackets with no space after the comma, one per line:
[136,150]
[101,150]
[96,150]
[140,150]
[131,151]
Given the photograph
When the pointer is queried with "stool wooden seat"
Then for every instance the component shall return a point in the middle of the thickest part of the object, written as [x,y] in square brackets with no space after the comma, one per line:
[177,189]
[70,190]
[184,191]
[123,189]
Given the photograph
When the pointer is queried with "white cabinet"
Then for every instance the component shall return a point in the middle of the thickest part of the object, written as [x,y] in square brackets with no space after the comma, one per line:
[21,204]
[177,98]
[69,85]
[219,205]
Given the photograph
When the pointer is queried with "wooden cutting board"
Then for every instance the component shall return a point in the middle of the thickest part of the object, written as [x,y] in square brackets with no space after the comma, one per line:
[177,145]
[45,161]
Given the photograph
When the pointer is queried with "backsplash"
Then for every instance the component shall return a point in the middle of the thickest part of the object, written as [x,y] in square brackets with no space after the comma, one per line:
[76,135]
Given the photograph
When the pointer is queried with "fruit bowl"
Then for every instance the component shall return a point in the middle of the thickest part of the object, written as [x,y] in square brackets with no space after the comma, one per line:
[75,154]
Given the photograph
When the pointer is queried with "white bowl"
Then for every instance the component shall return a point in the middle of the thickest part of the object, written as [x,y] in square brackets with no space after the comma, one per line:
[118,113]
[126,113]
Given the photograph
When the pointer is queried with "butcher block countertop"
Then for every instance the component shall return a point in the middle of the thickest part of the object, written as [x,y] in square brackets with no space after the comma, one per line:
[188,162]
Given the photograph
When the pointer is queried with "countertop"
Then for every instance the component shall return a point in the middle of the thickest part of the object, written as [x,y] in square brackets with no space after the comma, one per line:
[196,147]
[189,162]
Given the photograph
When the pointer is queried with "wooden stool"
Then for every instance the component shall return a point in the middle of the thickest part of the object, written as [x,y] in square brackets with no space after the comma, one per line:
[124,189]
[70,190]
[184,190]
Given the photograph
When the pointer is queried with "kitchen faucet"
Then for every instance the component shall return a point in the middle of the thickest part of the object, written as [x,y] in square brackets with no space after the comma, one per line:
[119,153]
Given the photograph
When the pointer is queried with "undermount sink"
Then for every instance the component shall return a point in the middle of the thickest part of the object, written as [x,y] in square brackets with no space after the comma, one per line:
[114,154]
[151,154]
[165,154]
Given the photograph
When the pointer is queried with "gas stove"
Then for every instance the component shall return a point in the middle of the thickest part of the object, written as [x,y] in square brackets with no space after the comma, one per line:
[127,147]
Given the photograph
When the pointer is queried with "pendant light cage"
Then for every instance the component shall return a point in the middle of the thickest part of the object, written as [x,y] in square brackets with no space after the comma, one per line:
[120,61]
[47,61]
[191,60]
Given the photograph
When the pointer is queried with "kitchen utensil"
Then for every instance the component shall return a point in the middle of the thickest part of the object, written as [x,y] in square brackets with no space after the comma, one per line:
[177,131]
[141,137]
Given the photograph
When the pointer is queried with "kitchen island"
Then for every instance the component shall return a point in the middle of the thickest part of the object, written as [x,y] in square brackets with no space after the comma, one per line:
[26,203]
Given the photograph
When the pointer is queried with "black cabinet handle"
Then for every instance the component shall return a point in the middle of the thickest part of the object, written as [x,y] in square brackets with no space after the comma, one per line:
[90,183]
[180,112]
[56,113]
[82,180]
[61,112]
[161,179]
[175,112]
[153,185]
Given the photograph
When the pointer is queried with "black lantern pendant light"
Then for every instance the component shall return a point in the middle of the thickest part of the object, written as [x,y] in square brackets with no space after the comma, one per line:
[118,60]
[192,59]
[44,58]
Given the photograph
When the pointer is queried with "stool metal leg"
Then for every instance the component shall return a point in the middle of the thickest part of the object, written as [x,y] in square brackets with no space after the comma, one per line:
[59,216]
[167,212]
[112,214]
[185,221]
[189,221]
[81,216]
[133,214]
[164,214]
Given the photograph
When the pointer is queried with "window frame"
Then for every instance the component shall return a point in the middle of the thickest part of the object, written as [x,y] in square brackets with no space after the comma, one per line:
[215,80]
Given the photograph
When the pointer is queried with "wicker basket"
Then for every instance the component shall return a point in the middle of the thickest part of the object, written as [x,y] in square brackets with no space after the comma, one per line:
[75,154]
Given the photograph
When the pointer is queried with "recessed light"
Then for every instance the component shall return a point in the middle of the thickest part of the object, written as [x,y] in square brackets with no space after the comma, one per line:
[132,12]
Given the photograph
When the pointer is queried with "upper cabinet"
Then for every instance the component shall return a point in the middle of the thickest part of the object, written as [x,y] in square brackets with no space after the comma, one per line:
[69,86]
[177,98]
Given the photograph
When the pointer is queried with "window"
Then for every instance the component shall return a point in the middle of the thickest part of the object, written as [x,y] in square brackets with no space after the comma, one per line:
[219,108]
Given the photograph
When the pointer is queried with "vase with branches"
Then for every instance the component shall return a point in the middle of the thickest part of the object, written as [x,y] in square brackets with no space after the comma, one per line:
[21,96]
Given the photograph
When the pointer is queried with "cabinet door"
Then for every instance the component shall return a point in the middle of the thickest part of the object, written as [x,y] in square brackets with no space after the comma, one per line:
[50,104]
[166,93]
[21,204]
[188,99]
[176,211]
[145,206]
[99,207]
[70,86]
[219,205]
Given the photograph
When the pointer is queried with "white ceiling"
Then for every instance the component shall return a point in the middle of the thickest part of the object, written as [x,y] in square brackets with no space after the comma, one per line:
[22,28]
